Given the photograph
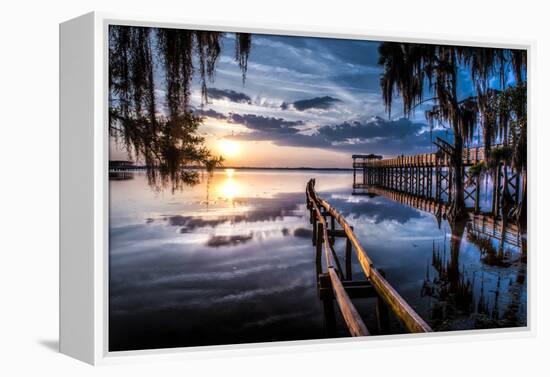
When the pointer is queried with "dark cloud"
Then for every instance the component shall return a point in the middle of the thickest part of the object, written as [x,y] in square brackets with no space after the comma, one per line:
[377,135]
[375,128]
[266,124]
[259,123]
[211,113]
[380,136]
[229,95]
[323,103]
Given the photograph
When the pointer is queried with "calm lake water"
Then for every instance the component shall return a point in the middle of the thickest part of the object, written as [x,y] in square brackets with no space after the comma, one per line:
[230,260]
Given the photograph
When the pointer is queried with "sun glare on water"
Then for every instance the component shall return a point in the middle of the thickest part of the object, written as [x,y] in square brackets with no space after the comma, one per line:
[229,188]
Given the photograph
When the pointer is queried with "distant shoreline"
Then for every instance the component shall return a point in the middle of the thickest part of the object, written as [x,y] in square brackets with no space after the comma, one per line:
[280,168]
[130,165]
[304,168]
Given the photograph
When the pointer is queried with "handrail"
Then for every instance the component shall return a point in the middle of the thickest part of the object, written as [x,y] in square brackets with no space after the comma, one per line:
[411,320]
[469,155]
[350,314]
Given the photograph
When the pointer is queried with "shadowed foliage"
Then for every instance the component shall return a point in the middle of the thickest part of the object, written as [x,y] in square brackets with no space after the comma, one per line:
[422,73]
[150,75]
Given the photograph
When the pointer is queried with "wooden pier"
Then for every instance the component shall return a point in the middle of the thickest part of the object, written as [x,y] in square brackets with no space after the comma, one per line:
[430,176]
[337,284]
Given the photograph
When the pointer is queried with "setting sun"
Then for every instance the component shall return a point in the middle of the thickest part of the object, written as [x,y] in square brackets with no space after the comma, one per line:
[229,148]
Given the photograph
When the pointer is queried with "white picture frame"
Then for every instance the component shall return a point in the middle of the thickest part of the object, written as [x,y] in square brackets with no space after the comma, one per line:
[84,205]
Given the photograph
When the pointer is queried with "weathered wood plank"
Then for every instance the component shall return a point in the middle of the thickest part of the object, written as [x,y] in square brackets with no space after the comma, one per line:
[410,319]
[351,316]
[353,320]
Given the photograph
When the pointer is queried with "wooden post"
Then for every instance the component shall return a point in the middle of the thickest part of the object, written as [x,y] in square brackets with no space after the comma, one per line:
[449,183]
[319,249]
[314,236]
[437,183]
[333,228]
[429,181]
[477,194]
[382,314]
[348,258]
[418,180]
[328,305]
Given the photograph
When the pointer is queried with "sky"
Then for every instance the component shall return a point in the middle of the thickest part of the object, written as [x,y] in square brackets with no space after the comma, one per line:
[306,102]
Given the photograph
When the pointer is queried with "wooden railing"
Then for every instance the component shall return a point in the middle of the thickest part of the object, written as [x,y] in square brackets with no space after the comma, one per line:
[352,318]
[320,208]
[469,156]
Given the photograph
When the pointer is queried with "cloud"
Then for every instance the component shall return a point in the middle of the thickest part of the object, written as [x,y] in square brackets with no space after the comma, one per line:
[376,135]
[261,126]
[375,128]
[322,103]
[266,124]
[229,95]
[211,113]
[380,136]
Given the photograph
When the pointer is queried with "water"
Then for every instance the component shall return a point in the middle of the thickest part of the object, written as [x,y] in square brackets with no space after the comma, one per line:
[230,260]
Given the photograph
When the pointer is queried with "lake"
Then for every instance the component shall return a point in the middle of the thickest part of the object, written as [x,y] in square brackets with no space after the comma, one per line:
[230,260]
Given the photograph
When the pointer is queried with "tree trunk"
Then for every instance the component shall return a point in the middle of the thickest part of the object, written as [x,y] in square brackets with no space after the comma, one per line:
[457,231]
[457,207]
[522,212]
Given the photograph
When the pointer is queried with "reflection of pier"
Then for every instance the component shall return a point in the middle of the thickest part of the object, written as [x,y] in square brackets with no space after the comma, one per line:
[121,175]
[429,176]
[481,223]
[338,284]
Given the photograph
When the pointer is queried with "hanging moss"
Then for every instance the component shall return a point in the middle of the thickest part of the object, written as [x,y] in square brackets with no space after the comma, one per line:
[152,119]
[416,71]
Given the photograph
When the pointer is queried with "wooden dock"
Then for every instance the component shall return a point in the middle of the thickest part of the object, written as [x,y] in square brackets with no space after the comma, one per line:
[429,176]
[470,156]
[337,284]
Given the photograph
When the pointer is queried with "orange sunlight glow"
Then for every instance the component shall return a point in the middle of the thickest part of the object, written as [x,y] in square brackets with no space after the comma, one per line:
[229,188]
[229,148]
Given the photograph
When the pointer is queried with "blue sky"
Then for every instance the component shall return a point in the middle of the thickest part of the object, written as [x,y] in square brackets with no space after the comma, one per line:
[316,93]
[307,102]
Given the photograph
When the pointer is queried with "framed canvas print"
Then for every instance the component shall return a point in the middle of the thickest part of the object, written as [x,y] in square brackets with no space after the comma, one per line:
[237,187]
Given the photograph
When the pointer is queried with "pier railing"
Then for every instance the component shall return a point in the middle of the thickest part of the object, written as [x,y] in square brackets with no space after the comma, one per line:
[470,156]
[323,238]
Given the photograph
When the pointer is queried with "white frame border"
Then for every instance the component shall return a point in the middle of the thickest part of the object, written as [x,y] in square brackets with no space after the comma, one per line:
[101,198]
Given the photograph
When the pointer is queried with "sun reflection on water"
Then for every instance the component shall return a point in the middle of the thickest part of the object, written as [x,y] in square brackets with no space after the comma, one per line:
[229,188]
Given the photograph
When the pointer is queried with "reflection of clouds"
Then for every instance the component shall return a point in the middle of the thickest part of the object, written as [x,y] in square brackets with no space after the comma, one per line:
[303,233]
[258,294]
[256,210]
[224,272]
[276,319]
[374,210]
[234,240]
[256,279]
[223,296]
